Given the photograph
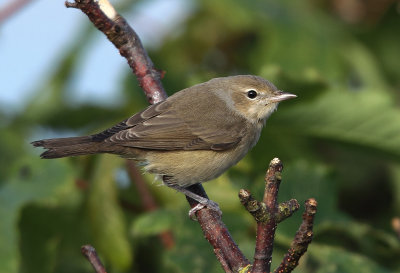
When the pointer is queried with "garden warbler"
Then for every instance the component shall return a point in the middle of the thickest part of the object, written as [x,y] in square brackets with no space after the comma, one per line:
[192,137]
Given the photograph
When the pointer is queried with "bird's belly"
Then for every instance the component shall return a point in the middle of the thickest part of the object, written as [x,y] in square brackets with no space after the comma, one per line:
[185,168]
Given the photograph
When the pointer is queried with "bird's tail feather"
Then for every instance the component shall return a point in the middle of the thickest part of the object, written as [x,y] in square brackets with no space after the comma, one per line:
[70,146]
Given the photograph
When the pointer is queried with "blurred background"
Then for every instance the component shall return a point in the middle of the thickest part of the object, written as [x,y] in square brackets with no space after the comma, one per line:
[339,140]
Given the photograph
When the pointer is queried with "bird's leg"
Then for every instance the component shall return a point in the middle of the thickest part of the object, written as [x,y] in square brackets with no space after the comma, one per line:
[203,202]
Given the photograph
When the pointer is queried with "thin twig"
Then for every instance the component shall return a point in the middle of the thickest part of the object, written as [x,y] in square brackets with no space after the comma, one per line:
[266,230]
[90,253]
[302,239]
[114,26]
[259,209]
[12,8]
[286,209]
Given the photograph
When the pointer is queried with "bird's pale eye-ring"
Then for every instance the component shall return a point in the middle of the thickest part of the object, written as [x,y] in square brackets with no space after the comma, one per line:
[252,94]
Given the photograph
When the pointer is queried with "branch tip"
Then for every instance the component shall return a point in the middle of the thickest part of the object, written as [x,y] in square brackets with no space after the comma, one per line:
[245,197]
[90,253]
[286,209]
[302,239]
[275,161]
[311,206]
[244,194]
[274,172]
[71,4]
[276,164]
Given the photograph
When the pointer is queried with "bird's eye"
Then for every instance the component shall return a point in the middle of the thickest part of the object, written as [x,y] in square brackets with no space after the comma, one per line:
[251,94]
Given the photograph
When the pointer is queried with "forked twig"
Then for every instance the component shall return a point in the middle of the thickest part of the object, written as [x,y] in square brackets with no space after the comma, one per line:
[302,239]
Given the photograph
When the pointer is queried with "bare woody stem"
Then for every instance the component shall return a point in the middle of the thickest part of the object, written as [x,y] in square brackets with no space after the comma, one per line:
[12,8]
[259,209]
[90,253]
[268,214]
[217,234]
[266,229]
[302,239]
[107,20]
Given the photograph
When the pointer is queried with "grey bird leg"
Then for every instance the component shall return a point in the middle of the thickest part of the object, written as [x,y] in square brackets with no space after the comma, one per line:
[203,202]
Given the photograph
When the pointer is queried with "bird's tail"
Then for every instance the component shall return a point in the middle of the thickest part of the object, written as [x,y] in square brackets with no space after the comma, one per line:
[70,146]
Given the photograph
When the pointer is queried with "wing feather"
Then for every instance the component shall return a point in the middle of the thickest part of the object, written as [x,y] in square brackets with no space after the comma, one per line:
[159,127]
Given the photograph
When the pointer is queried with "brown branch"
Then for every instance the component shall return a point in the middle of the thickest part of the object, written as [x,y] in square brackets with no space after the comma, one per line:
[266,229]
[114,26]
[268,213]
[259,209]
[286,209]
[302,239]
[90,253]
[12,8]
[217,234]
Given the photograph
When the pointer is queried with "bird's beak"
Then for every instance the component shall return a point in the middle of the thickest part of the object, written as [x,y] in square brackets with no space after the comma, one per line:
[280,96]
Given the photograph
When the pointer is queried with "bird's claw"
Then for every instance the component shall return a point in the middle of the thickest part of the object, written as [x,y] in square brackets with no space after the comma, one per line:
[209,204]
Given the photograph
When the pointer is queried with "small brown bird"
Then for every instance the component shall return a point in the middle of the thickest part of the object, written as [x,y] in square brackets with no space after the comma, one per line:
[192,137]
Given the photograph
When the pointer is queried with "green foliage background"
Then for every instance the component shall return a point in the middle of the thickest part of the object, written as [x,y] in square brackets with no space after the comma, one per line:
[339,142]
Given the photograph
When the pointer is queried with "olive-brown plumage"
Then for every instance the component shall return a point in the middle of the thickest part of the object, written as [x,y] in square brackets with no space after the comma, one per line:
[191,137]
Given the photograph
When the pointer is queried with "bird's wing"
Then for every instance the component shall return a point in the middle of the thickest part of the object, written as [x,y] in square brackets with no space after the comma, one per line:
[160,128]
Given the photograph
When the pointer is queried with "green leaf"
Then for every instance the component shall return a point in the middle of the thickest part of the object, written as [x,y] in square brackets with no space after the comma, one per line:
[395,171]
[105,215]
[11,149]
[33,181]
[337,260]
[50,238]
[376,244]
[364,118]
[152,223]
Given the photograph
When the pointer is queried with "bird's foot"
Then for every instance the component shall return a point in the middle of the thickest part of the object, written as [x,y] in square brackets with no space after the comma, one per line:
[204,203]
